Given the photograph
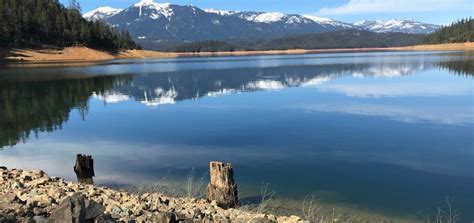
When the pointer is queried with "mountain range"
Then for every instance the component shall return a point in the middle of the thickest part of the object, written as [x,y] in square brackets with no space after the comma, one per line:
[152,23]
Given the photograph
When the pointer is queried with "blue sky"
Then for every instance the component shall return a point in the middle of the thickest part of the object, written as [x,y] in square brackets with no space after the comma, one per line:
[431,11]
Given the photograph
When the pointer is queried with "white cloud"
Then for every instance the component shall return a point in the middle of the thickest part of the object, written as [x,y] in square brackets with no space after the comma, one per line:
[409,114]
[383,6]
[378,90]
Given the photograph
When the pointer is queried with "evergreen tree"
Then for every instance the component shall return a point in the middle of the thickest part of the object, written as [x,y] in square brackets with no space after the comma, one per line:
[29,23]
[458,32]
[74,5]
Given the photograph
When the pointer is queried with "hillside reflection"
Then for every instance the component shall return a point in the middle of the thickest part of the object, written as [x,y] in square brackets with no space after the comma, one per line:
[459,67]
[43,106]
[32,106]
[171,87]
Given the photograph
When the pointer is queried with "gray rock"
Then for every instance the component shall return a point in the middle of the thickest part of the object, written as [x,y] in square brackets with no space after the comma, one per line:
[40,219]
[77,209]
[104,219]
[272,217]
[168,217]
[70,210]
[17,185]
[7,218]
[9,202]
[93,209]
[116,212]
[39,211]
[261,220]
[38,173]
[38,182]
[9,198]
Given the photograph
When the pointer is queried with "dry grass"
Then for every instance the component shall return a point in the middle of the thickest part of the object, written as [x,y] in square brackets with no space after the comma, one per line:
[312,211]
[445,215]
[75,54]
[68,54]
[266,194]
[195,187]
[141,54]
[469,46]
[262,204]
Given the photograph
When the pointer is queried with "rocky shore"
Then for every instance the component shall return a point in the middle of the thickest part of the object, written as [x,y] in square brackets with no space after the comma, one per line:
[33,196]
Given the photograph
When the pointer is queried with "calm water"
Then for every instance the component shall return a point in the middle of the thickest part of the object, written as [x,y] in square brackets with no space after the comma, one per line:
[388,132]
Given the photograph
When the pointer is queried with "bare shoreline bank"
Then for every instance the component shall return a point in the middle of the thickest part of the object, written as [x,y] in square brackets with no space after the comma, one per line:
[87,55]
[35,195]
[28,195]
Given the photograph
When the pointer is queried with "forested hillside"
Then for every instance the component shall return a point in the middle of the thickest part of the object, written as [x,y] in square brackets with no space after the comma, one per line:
[342,39]
[205,46]
[333,40]
[30,23]
[458,32]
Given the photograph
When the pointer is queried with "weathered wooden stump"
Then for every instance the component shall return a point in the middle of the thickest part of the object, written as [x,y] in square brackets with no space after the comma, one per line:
[222,187]
[84,169]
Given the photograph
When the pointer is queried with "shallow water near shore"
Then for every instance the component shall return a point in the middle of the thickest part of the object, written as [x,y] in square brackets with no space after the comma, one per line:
[386,132]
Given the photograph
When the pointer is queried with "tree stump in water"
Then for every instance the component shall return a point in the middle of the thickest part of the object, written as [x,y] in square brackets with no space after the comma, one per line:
[84,169]
[222,187]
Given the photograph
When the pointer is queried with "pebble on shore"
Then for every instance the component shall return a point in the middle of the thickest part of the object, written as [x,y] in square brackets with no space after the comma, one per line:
[33,196]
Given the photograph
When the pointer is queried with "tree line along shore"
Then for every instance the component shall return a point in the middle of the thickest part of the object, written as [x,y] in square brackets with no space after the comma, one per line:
[47,31]
[85,54]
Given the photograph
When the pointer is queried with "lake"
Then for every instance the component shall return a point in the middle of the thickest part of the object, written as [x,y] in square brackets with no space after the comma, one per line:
[384,132]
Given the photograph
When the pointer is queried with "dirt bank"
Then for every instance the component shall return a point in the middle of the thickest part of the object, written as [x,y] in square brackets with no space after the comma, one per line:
[84,54]
[469,46]
[442,47]
[75,54]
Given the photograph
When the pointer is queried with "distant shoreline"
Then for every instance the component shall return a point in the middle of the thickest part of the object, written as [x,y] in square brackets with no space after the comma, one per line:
[85,55]
[469,46]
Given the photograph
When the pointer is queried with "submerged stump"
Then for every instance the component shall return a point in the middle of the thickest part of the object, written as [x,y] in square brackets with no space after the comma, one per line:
[222,187]
[84,169]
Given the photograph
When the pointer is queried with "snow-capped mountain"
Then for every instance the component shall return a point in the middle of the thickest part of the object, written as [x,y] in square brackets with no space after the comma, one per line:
[396,25]
[153,23]
[101,13]
[330,22]
[274,17]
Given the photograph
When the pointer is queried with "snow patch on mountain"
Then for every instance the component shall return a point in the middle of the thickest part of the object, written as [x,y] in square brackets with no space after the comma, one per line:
[221,12]
[318,19]
[269,17]
[159,9]
[397,25]
[326,21]
[101,13]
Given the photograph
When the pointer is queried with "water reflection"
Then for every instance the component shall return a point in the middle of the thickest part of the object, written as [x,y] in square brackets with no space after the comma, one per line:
[380,129]
[168,88]
[43,106]
[460,66]
[42,103]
